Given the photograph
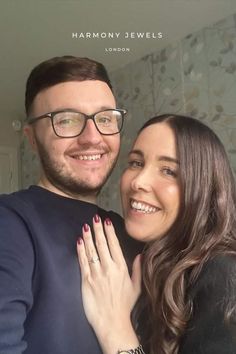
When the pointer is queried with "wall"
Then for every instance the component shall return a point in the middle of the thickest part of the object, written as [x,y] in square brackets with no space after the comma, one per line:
[30,165]
[9,138]
[195,76]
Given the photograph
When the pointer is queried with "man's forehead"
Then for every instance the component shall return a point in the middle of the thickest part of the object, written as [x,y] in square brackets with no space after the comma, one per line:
[74,95]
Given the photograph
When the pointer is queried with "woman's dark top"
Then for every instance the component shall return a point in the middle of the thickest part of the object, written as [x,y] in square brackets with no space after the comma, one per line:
[214,293]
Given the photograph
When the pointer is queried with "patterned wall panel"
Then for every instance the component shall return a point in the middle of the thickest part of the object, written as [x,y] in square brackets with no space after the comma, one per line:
[195,76]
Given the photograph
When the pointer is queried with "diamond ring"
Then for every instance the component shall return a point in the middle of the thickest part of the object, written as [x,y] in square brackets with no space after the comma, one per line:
[94,260]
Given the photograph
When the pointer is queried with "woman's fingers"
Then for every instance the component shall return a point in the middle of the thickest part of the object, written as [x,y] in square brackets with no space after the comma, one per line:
[83,260]
[101,242]
[107,289]
[113,242]
[107,247]
[100,253]
[90,249]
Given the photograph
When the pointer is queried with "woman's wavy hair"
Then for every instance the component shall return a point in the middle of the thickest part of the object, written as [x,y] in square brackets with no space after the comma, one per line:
[205,226]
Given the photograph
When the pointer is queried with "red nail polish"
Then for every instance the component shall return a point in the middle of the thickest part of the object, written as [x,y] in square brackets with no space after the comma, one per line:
[86,227]
[108,221]
[96,218]
[80,240]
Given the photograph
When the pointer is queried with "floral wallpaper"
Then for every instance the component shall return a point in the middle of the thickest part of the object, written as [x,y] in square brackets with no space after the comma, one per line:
[30,167]
[195,76]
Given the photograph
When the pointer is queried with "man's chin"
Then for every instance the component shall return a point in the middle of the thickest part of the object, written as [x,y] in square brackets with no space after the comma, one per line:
[82,188]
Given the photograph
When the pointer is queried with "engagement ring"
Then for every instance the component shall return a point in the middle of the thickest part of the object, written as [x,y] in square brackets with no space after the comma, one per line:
[94,260]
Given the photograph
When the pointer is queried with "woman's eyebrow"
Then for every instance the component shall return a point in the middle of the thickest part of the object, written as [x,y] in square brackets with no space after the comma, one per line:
[168,159]
[159,158]
[136,152]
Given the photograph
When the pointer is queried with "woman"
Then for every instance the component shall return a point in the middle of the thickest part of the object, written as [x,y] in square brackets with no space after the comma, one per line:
[178,196]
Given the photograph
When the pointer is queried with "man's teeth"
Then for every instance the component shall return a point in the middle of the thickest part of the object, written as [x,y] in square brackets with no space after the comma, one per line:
[144,208]
[88,157]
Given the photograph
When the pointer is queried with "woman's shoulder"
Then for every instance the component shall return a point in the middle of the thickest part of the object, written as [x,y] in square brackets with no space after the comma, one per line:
[220,265]
[217,278]
[212,326]
[222,261]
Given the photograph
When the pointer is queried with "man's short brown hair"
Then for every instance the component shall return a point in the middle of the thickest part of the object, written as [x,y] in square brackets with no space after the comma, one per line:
[62,69]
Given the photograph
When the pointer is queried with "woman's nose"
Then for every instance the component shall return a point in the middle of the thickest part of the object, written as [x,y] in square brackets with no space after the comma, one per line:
[142,181]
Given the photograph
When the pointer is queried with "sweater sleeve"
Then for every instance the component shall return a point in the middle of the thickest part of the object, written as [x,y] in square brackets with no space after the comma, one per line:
[16,270]
[214,295]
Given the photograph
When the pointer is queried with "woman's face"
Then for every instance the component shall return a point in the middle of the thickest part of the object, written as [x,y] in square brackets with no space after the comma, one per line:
[150,189]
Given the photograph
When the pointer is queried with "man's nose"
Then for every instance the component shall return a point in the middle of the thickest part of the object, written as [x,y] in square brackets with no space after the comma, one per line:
[90,134]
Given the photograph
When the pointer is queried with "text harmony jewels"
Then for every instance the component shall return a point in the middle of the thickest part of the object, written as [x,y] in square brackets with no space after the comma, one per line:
[115,35]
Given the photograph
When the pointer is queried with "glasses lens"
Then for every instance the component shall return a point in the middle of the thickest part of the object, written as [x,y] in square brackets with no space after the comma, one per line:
[68,124]
[109,122]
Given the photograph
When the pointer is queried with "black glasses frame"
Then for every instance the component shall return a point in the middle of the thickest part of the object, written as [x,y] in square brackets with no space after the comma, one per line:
[52,114]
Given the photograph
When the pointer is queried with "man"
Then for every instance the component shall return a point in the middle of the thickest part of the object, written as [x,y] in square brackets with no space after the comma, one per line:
[74,127]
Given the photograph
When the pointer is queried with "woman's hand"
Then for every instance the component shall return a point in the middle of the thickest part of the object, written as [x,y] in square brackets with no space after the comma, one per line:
[108,291]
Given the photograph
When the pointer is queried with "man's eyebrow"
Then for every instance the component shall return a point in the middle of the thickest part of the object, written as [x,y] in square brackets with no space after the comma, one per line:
[105,107]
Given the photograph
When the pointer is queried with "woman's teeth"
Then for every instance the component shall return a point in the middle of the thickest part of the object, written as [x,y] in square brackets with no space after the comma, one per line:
[141,207]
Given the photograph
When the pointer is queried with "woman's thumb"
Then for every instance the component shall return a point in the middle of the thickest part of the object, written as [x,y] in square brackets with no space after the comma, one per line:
[137,274]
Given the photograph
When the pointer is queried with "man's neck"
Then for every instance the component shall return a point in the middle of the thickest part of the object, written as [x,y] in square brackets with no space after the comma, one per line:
[50,187]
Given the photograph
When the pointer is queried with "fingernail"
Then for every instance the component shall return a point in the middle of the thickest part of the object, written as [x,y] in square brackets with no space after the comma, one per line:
[86,227]
[80,240]
[108,221]
[96,218]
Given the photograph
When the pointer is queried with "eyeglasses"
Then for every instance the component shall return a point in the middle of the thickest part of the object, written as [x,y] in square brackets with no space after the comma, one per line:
[68,123]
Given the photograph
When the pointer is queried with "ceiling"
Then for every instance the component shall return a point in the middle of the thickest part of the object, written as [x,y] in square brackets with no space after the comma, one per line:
[35,30]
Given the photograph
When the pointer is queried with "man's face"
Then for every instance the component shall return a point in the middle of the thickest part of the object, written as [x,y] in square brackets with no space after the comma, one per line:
[76,167]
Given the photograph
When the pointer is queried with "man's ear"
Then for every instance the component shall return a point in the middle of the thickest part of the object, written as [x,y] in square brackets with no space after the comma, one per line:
[29,133]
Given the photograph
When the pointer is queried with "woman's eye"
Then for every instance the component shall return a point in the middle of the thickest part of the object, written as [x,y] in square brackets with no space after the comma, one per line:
[135,164]
[169,172]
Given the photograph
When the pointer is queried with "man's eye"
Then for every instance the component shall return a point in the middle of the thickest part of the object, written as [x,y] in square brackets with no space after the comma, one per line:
[67,122]
[135,164]
[104,120]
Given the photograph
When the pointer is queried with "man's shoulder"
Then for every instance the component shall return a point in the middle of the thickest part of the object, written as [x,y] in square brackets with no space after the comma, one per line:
[16,199]
[116,218]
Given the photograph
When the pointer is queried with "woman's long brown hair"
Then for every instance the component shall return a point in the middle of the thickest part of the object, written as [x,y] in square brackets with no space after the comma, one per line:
[205,226]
